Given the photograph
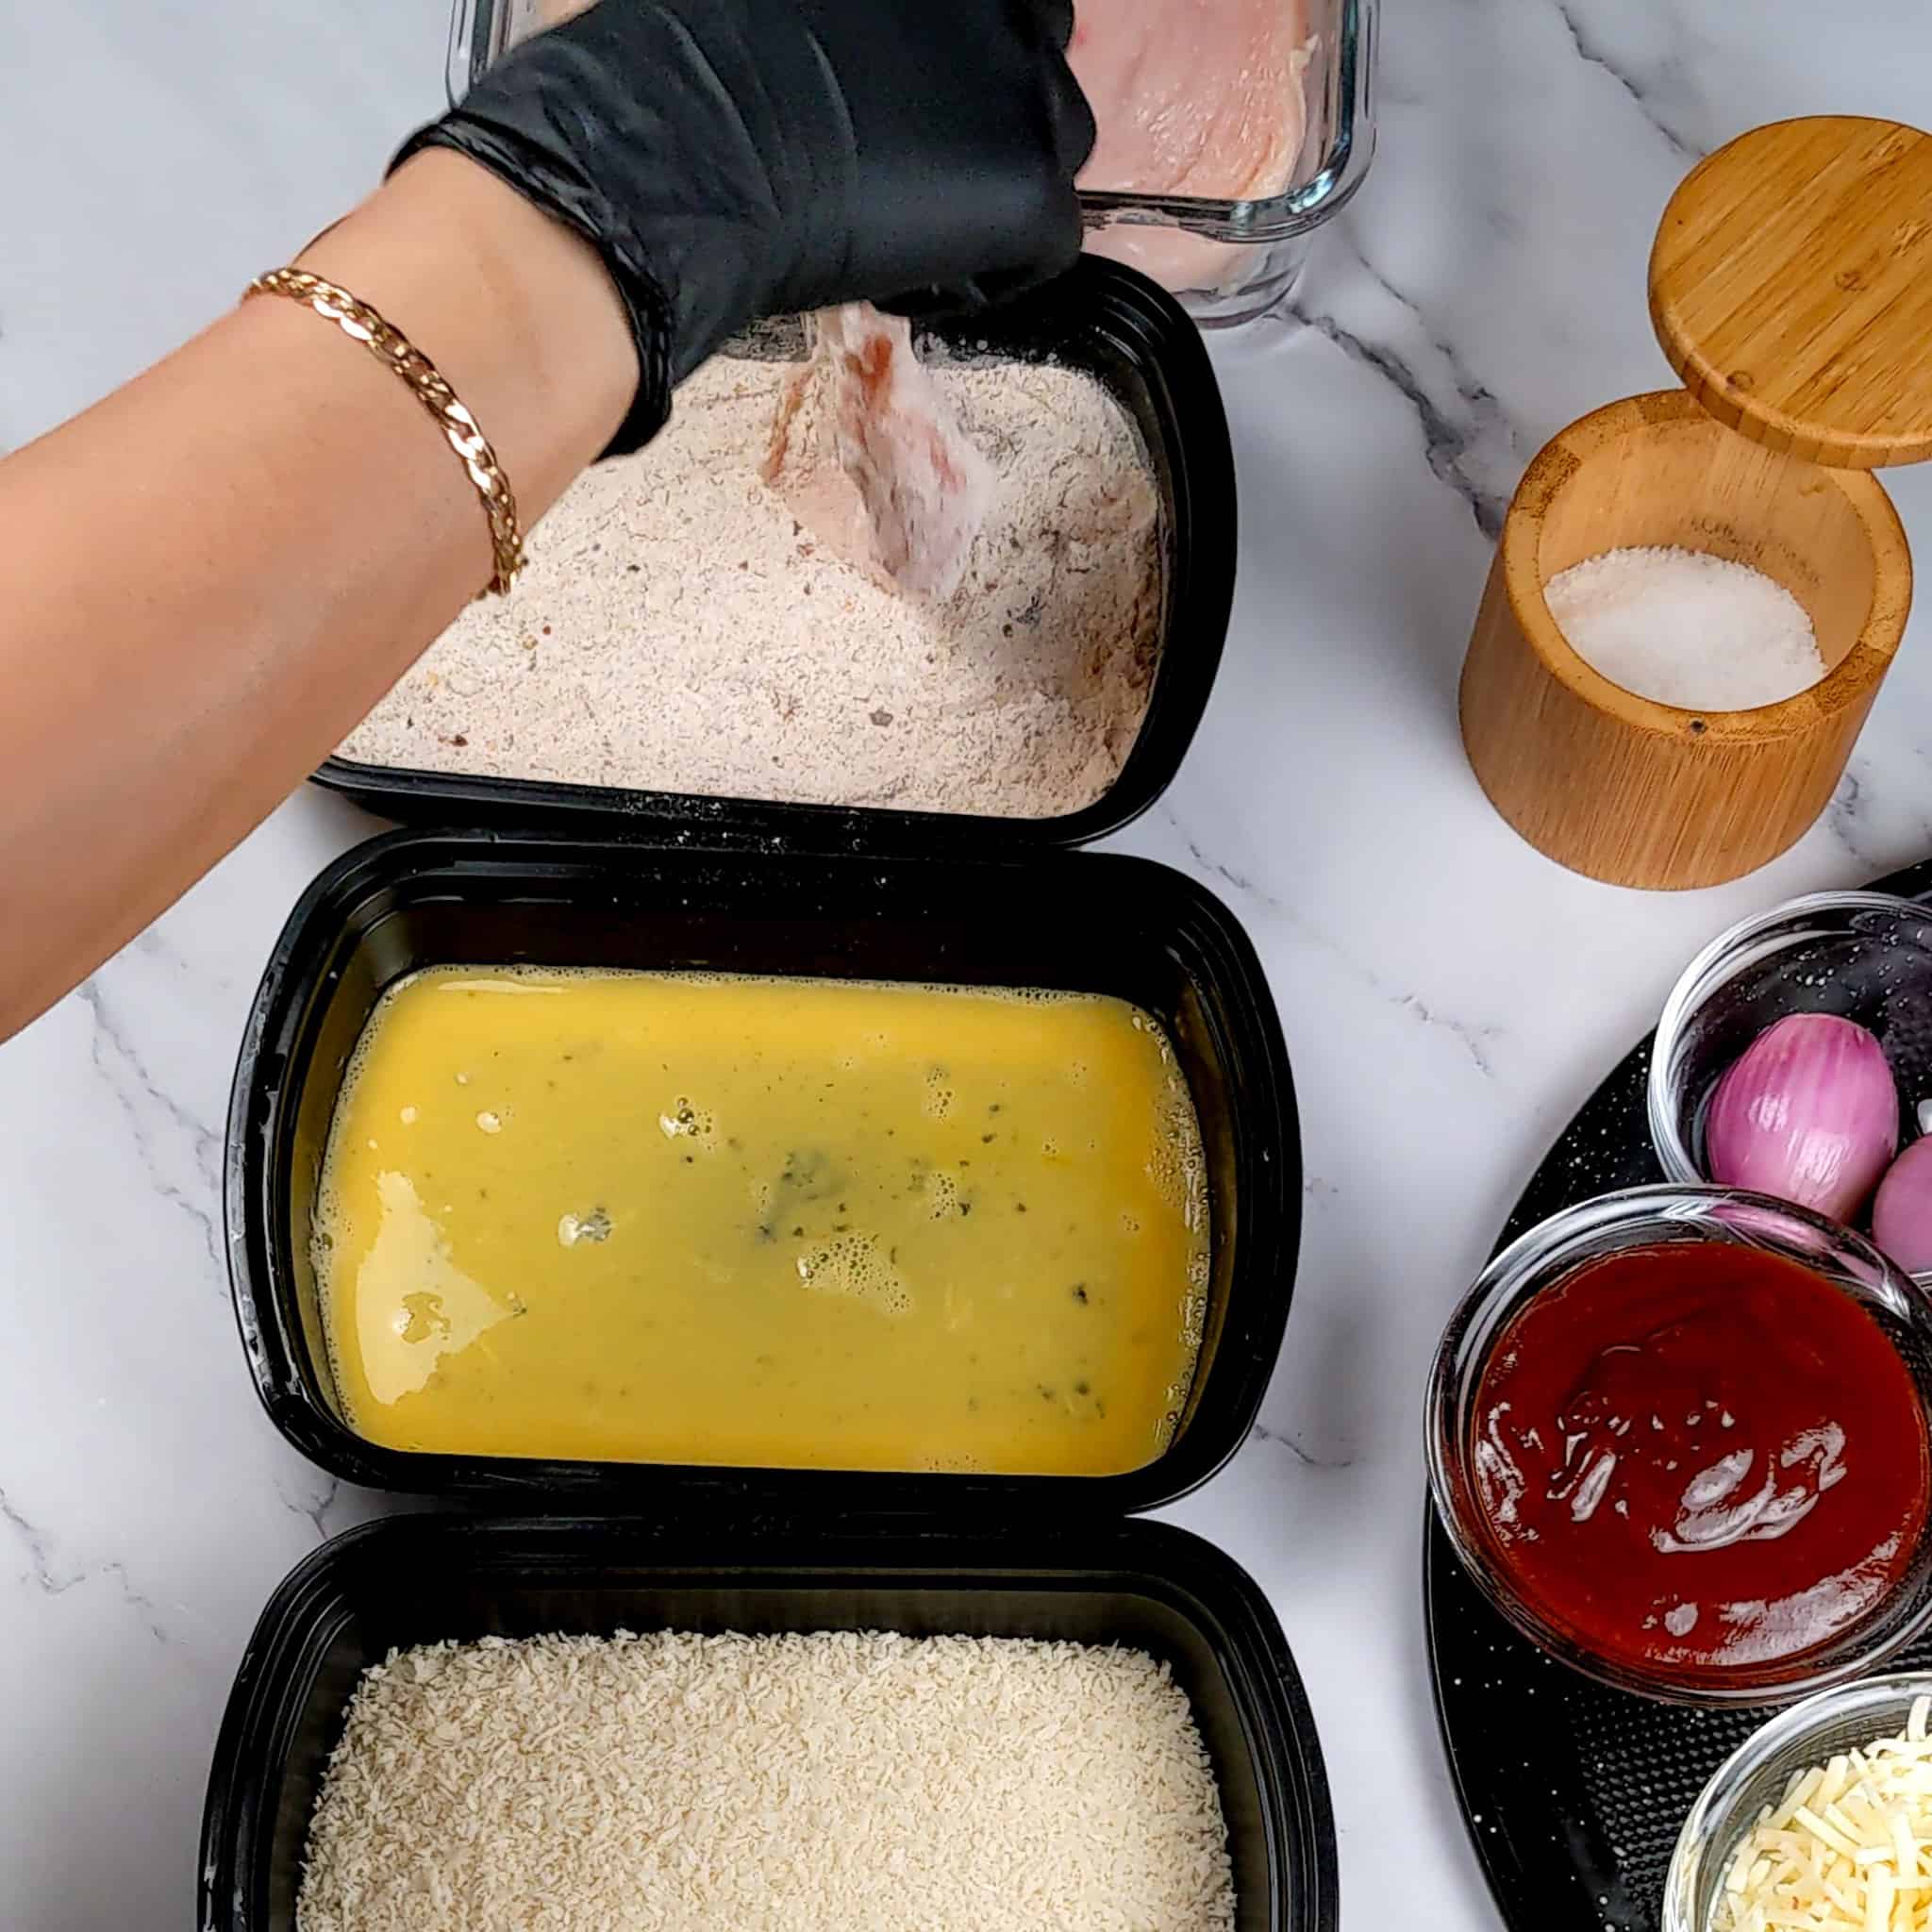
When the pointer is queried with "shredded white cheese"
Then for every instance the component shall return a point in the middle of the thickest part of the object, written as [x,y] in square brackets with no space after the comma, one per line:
[1848,1848]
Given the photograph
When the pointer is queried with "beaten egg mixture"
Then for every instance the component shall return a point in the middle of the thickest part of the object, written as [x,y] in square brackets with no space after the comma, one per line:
[778,1222]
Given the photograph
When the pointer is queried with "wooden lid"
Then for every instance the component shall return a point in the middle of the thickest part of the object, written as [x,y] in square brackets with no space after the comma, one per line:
[1792,289]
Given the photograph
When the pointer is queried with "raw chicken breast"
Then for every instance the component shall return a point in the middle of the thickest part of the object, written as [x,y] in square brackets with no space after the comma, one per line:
[1194,97]
[922,486]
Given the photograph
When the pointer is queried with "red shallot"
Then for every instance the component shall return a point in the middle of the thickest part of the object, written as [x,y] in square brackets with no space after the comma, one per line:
[1809,1114]
[1902,1214]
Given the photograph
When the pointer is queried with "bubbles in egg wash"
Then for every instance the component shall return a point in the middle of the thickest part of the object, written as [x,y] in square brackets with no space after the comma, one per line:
[1011,1160]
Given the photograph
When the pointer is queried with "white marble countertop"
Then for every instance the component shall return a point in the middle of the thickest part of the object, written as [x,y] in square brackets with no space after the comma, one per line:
[1449,997]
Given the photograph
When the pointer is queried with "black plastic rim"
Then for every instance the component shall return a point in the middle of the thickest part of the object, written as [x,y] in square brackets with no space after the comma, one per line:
[382,877]
[250,1819]
[1101,317]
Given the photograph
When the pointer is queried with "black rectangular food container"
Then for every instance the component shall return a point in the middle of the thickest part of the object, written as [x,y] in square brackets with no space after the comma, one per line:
[1090,923]
[414,1580]
[587,875]
[1116,326]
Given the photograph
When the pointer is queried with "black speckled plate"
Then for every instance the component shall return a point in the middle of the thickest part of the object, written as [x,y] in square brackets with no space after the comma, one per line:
[1573,1793]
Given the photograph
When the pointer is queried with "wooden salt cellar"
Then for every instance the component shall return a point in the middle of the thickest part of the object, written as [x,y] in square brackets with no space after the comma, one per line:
[1792,289]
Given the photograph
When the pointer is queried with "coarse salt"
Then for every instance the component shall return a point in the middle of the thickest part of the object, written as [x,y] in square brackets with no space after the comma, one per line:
[1686,629]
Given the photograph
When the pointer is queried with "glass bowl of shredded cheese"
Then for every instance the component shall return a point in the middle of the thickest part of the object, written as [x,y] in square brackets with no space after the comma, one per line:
[1822,1819]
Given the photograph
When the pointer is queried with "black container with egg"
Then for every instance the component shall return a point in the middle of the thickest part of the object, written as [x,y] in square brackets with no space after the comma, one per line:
[753,1550]
[1090,925]
[554,874]
[568,875]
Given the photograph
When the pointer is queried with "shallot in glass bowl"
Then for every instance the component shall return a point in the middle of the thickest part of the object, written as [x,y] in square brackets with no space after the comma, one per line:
[1865,956]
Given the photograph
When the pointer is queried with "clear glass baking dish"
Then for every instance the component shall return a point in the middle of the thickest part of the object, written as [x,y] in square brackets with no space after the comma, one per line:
[1227,260]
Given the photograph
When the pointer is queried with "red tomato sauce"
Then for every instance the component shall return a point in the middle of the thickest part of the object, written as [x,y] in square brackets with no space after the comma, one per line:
[1696,1455]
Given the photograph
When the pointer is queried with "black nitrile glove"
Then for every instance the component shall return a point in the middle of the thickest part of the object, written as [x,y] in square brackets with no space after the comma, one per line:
[732,159]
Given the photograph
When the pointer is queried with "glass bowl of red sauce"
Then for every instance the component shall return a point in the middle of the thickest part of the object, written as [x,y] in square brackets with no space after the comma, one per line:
[1681,1437]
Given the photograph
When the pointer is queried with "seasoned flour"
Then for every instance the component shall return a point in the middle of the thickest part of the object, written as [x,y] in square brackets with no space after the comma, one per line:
[679,630]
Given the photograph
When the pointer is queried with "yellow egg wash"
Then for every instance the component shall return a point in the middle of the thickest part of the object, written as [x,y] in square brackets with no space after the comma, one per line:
[776,1223]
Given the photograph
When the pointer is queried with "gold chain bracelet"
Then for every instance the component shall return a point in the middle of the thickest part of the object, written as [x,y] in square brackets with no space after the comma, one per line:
[395,350]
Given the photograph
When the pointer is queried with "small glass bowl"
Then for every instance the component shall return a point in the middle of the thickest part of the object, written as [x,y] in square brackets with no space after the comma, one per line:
[1756,1775]
[1656,1217]
[1862,956]
[1239,259]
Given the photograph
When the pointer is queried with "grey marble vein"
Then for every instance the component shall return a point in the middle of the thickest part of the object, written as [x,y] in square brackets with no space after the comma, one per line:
[1842,816]
[120,1066]
[1447,442]
[315,1509]
[1589,48]
[1280,1439]
[51,1579]
[1882,827]
[1475,1039]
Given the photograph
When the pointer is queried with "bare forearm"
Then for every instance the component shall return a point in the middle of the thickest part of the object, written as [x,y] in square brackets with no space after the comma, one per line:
[213,574]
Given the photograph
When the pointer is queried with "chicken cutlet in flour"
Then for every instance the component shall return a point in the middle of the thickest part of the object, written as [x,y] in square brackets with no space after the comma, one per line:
[925,489]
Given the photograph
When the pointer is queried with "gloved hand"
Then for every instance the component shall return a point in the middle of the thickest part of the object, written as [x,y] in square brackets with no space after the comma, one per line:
[737,158]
